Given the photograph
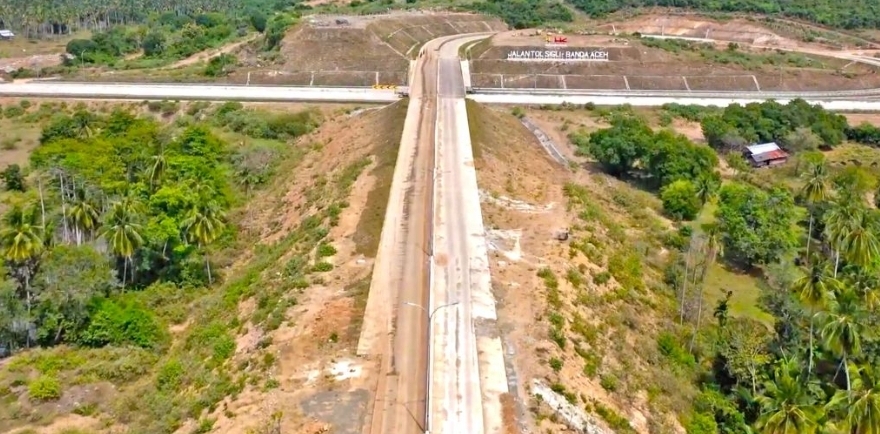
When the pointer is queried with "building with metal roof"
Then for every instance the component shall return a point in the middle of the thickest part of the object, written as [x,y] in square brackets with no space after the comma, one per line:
[766,154]
[6,34]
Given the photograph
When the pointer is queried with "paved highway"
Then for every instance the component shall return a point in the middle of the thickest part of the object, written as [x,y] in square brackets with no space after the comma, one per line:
[461,273]
[195,92]
[646,101]
[396,321]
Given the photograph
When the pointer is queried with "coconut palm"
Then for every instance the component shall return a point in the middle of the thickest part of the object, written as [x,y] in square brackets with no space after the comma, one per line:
[860,407]
[814,290]
[840,220]
[203,225]
[707,187]
[842,332]
[816,189]
[22,240]
[123,232]
[786,406]
[860,245]
[83,215]
[158,168]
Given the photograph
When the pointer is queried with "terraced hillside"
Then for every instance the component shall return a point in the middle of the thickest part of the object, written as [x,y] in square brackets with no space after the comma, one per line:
[359,51]
[663,64]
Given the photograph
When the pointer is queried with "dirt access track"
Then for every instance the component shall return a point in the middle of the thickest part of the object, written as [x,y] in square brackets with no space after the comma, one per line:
[736,55]
[331,50]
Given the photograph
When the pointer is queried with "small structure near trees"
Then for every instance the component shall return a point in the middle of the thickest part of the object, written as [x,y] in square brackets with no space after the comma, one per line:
[767,154]
[6,35]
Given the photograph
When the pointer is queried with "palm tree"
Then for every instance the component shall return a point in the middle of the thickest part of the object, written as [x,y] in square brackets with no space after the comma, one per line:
[123,232]
[816,189]
[707,187]
[840,220]
[786,405]
[84,216]
[203,225]
[860,407]
[22,241]
[814,290]
[842,332]
[860,244]
[157,170]
[713,248]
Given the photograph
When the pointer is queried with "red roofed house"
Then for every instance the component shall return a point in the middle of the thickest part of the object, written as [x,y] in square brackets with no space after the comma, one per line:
[767,154]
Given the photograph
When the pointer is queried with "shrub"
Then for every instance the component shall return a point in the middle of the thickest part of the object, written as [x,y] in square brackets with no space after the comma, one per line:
[325,250]
[322,267]
[700,423]
[672,350]
[680,200]
[13,111]
[518,112]
[556,364]
[122,323]
[44,388]
[608,382]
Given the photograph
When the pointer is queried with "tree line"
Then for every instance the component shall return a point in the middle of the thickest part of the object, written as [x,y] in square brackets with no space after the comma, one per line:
[523,14]
[40,18]
[846,14]
[116,203]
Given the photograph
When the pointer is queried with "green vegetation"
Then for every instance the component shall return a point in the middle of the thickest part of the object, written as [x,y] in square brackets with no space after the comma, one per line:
[683,170]
[522,14]
[147,35]
[114,237]
[737,126]
[732,55]
[848,14]
[787,346]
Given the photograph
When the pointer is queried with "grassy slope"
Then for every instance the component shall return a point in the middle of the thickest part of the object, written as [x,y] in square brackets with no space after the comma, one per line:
[600,303]
[206,367]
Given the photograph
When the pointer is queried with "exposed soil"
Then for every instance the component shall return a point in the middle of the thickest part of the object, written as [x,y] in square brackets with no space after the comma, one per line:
[209,54]
[512,164]
[331,50]
[322,386]
[762,60]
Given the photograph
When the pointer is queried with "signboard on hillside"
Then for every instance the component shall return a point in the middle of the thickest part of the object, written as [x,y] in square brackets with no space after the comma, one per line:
[559,55]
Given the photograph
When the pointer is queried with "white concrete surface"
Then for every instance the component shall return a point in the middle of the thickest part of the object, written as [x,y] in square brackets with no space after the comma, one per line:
[861,105]
[573,416]
[196,92]
[469,373]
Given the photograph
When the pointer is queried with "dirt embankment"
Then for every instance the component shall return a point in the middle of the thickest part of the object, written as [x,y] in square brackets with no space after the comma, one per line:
[759,59]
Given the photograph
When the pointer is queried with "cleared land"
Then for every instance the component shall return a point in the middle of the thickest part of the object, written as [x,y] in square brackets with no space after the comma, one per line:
[746,57]
[327,50]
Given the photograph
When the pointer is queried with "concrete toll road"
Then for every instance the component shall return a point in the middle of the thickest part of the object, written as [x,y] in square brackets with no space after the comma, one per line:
[468,374]
[393,329]
[424,264]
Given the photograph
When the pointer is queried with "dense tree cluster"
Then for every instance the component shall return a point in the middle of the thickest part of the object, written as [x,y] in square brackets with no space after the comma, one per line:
[849,14]
[165,36]
[790,125]
[42,17]
[684,171]
[118,203]
[815,372]
[522,14]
